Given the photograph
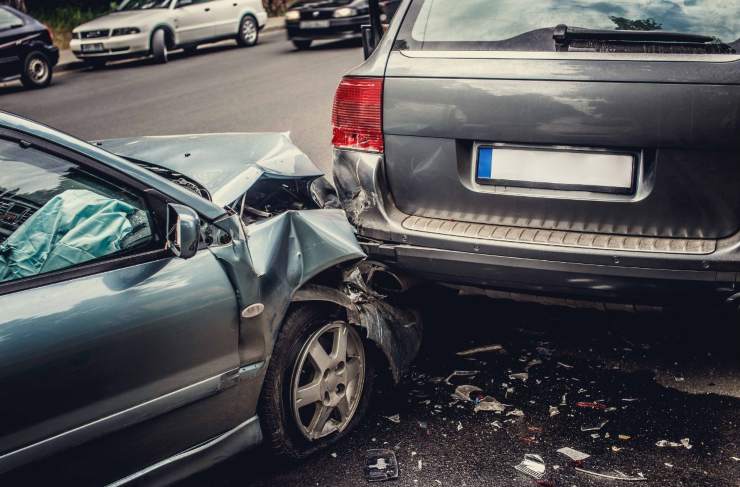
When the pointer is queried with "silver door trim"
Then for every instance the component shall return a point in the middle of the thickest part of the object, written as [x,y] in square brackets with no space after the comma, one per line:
[571,56]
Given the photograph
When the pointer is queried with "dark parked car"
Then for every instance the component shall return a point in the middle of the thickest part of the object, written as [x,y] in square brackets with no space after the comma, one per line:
[168,301]
[26,49]
[310,20]
[583,149]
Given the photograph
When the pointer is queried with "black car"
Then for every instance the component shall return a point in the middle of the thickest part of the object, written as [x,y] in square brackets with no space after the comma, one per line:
[310,20]
[26,49]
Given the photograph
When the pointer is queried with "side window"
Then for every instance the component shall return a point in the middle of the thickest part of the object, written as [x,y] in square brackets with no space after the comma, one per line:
[55,214]
[9,20]
[185,3]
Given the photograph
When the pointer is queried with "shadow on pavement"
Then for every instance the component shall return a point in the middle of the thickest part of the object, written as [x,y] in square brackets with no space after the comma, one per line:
[654,376]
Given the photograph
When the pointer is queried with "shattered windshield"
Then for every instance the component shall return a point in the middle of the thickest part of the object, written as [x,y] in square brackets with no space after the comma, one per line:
[517,25]
[143,4]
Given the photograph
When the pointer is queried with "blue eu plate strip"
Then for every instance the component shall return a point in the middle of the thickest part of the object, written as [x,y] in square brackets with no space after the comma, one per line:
[485,162]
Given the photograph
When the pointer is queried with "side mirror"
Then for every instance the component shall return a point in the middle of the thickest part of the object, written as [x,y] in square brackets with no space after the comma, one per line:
[183,231]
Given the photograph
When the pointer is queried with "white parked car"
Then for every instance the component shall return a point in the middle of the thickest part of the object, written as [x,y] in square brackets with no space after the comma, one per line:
[155,27]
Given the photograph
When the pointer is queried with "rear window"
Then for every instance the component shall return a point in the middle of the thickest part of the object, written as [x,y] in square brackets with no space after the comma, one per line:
[669,26]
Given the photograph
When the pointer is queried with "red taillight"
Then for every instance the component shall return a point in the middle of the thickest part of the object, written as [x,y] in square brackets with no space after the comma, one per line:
[357,115]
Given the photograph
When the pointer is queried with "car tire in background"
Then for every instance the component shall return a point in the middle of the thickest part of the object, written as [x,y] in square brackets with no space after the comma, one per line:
[159,46]
[308,404]
[302,45]
[37,70]
[249,32]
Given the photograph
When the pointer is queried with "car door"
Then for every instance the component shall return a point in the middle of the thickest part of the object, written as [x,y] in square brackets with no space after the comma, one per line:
[100,327]
[11,29]
[226,16]
[194,20]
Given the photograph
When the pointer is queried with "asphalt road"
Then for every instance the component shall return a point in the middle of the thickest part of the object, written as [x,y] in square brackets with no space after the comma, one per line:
[661,376]
[222,88]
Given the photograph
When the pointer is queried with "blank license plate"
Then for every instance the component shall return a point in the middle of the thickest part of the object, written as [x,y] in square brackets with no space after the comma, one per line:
[97,47]
[571,170]
[315,24]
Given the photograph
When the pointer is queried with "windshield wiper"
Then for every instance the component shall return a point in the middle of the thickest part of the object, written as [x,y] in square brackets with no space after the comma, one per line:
[563,33]
[564,36]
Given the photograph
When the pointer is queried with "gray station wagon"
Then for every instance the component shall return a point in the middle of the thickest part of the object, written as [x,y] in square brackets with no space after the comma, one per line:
[574,149]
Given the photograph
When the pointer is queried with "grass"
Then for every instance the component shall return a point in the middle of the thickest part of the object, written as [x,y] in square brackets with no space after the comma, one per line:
[62,20]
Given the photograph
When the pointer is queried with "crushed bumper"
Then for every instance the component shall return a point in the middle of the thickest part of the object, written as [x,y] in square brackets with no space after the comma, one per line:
[653,277]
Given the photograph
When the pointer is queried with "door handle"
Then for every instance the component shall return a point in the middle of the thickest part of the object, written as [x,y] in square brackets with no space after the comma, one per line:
[208,9]
[235,4]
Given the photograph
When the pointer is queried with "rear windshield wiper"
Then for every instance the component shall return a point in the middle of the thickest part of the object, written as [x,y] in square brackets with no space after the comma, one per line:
[564,35]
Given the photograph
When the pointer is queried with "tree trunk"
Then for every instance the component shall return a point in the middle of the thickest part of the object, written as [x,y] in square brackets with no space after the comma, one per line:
[16,4]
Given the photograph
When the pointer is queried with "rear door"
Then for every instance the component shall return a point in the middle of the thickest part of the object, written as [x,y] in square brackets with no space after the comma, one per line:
[101,328]
[195,20]
[546,86]
[226,17]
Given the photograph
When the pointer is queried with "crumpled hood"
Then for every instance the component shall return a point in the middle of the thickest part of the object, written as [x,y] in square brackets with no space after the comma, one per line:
[227,165]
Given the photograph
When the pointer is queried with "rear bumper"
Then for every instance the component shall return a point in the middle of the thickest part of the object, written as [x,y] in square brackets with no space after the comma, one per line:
[338,29]
[567,271]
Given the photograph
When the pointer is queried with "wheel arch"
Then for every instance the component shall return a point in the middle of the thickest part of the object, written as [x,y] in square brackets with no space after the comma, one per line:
[169,35]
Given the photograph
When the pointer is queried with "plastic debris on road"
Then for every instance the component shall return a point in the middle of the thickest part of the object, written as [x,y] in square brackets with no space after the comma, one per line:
[460,373]
[613,475]
[596,427]
[532,465]
[488,403]
[685,442]
[522,376]
[467,392]
[573,454]
[396,418]
[381,465]
[516,412]
[591,405]
[554,411]
[484,349]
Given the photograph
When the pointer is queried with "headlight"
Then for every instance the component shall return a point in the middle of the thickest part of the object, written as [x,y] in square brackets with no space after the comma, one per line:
[124,31]
[345,12]
[292,15]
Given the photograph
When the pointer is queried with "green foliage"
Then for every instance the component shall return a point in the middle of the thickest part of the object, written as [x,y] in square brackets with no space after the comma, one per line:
[637,24]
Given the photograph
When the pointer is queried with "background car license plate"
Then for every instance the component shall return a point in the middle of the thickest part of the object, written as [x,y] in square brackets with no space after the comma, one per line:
[97,47]
[561,169]
[315,24]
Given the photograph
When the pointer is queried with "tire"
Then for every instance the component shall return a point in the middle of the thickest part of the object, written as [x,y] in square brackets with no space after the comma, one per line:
[249,32]
[286,431]
[302,45]
[37,71]
[159,46]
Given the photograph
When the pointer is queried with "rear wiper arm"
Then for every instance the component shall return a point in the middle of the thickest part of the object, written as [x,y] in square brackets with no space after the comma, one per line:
[562,34]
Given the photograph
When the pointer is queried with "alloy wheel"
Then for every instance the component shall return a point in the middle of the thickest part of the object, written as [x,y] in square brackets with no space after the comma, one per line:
[249,31]
[328,380]
[38,70]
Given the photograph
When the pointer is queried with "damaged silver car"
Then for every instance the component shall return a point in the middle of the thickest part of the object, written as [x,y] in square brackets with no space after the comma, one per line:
[168,301]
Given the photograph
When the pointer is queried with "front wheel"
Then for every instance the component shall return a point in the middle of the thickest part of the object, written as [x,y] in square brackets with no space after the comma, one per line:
[249,32]
[318,384]
[159,47]
[302,45]
[37,71]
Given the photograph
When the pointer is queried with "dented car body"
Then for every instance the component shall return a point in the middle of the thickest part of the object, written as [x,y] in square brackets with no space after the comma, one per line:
[151,360]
